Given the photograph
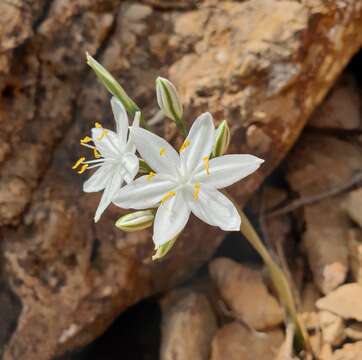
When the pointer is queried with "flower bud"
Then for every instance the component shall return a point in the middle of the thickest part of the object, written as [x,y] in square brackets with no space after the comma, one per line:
[164,249]
[112,85]
[137,220]
[222,139]
[168,101]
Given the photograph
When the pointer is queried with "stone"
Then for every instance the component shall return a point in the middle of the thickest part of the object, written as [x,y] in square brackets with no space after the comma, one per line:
[234,341]
[188,326]
[355,253]
[348,352]
[70,277]
[344,302]
[244,293]
[353,205]
[354,331]
[332,327]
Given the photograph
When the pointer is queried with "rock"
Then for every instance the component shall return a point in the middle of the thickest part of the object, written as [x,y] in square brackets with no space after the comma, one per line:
[344,301]
[332,328]
[355,253]
[243,291]
[234,342]
[342,107]
[348,352]
[353,205]
[354,331]
[188,326]
[310,295]
[72,278]
[325,238]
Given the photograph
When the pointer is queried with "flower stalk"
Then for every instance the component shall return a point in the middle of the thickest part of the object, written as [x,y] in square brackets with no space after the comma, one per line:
[279,280]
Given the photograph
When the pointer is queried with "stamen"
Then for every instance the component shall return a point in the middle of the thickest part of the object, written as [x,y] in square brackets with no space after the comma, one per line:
[185,145]
[150,176]
[80,161]
[103,134]
[168,196]
[98,125]
[88,146]
[206,164]
[84,168]
[162,151]
[197,188]
[85,140]
[96,153]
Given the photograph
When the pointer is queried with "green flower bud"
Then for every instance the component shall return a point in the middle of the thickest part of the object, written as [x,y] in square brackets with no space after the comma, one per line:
[222,139]
[112,85]
[137,220]
[164,249]
[169,103]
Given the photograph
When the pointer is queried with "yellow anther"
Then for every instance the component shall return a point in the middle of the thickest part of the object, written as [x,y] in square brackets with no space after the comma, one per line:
[96,153]
[103,134]
[185,144]
[98,125]
[83,168]
[80,161]
[150,176]
[168,196]
[85,140]
[197,188]
[206,164]
[162,151]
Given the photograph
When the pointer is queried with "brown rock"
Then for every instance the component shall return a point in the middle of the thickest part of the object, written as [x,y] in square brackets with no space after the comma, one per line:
[348,352]
[342,107]
[353,205]
[243,291]
[188,326]
[344,301]
[332,328]
[235,341]
[354,331]
[310,295]
[71,277]
[355,253]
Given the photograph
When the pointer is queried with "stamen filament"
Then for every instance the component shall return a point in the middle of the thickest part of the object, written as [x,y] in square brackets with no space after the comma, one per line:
[206,164]
[185,145]
[150,176]
[94,161]
[79,161]
[88,146]
[168,196]
[197,188]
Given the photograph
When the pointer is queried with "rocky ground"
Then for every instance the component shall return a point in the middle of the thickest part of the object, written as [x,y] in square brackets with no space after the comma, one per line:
[265,66]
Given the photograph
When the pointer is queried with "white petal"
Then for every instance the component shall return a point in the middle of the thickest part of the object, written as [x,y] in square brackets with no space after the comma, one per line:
[130,165]
[143,193]
[171,218]
[99,179]
[109,192]
[201,139]
[228,169]
[121,118]
[157,152]
[215,209]
[108,144]
[131,147]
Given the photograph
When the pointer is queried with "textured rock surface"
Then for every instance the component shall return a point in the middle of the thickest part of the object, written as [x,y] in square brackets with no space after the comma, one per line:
[65,277]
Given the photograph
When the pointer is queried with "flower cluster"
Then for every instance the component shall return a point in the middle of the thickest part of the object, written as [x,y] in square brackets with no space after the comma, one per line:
[178,183]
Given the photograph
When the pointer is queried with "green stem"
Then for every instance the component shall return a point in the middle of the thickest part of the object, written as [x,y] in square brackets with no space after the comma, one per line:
[279,280]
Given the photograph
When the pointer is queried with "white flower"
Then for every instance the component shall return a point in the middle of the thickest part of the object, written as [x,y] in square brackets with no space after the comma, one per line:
[185,182]
[114,156]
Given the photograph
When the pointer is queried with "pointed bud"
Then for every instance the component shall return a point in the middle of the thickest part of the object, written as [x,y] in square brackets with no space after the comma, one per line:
[112,85]
[168,101]
[164,249]
[222,139]
[144,167]
[137,220]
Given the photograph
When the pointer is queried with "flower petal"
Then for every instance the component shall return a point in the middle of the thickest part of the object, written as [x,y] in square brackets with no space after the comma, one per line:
[157,152]
[201,140]
[99,179]
[109,192]
[226,170]
[107,142]
[121,118]
[144,192]
[130,164]
[171,218]
[215,209]
[131,147]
